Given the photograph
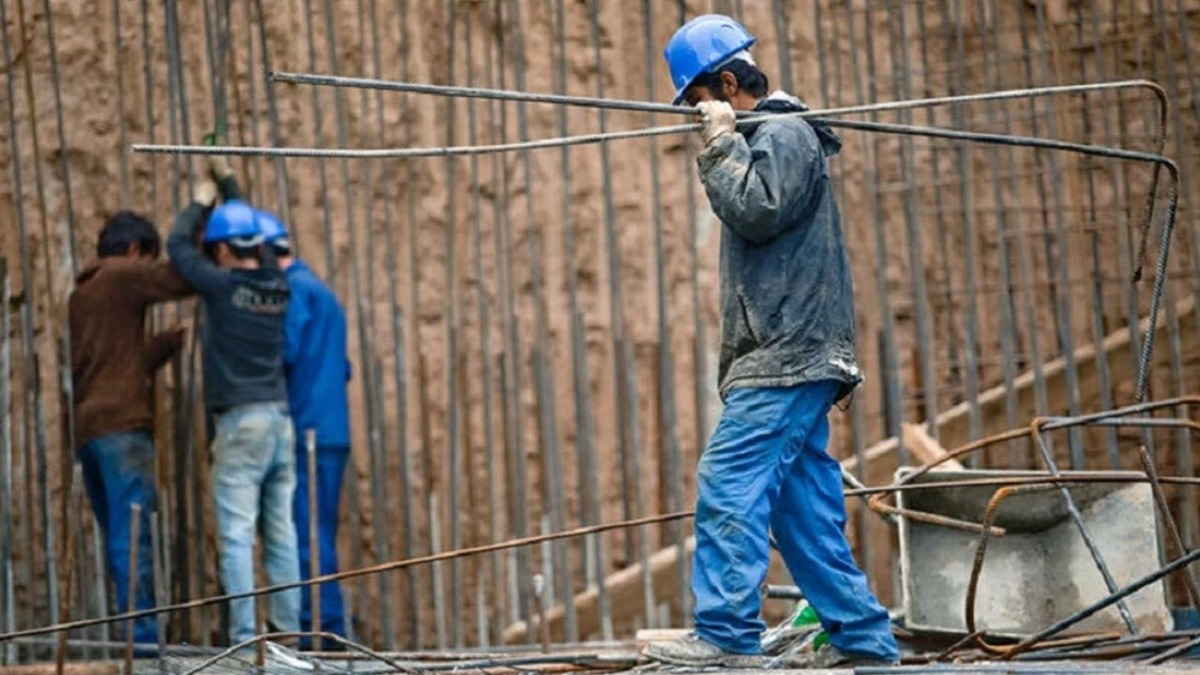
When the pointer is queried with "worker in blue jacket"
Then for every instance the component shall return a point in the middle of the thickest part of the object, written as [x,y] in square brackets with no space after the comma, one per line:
[317,372]
[787,355]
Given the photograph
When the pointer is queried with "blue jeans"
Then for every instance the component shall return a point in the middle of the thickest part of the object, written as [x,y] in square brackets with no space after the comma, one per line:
[766,466]
[331,468]
[254,475]
[118,471]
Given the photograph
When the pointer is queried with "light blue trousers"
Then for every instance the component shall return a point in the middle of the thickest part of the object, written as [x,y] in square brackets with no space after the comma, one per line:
[766,467]
[254,477]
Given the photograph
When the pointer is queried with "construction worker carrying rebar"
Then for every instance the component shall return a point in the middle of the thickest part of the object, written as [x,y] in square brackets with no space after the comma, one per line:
[787,356]
[244,296]
[112,362]
[317,369]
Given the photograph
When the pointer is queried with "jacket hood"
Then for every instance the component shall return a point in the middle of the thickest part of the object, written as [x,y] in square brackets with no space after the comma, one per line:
[780,101]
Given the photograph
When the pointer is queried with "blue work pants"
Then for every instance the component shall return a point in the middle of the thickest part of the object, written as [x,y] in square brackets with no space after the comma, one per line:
[331,469]
[766,466]
[118,472]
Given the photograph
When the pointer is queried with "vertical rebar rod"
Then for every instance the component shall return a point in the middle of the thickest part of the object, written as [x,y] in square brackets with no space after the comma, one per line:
[148,84]
[699,334]
[360,311]
[926,349]
[1062,287]
[122,123]
[70,503]
[61,127]
[892,394]
[616,318]
[543,366]
[858,430]
[1024,281]
[511,387]
[100,580]
[157,560]
[439,580]
[1183,447]
[407,504]
[495,573]
[39,412]
[956,372]
[27,344]
[1000,206]
[372,393]
[179,127]
[8,601]
[453,440]
[318,133]
[970,242]
[282,194]
[314,546]
[135,530]
[1089,166]
[669,452]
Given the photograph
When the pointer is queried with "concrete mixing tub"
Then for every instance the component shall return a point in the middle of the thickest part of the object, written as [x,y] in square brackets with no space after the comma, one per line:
[1040,571]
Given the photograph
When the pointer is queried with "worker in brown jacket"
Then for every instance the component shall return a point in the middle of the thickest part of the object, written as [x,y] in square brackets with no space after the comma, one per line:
[112,362]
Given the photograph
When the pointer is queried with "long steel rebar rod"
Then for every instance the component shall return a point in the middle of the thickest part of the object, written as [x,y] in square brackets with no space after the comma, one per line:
[647,106]
[351,574]
[908,130]
[1077,518]
[999,481]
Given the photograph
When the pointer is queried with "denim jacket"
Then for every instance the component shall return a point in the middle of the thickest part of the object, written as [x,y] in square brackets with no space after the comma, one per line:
[787,306]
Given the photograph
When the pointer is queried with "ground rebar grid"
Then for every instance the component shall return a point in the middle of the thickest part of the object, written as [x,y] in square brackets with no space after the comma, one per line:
[537,335]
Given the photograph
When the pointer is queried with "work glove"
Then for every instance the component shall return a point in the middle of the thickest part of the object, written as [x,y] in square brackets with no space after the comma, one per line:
[204,192]
[218,166]
[716,118]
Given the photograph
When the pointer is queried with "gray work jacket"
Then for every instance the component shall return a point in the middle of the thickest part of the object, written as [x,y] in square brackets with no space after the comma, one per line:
[787,306]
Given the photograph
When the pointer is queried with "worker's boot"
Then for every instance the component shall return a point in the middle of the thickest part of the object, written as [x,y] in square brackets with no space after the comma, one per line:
[693,650]
[829,657]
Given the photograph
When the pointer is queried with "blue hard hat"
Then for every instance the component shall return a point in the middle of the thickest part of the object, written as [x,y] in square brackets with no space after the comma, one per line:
[271,227]
[700,45]
[235,223]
